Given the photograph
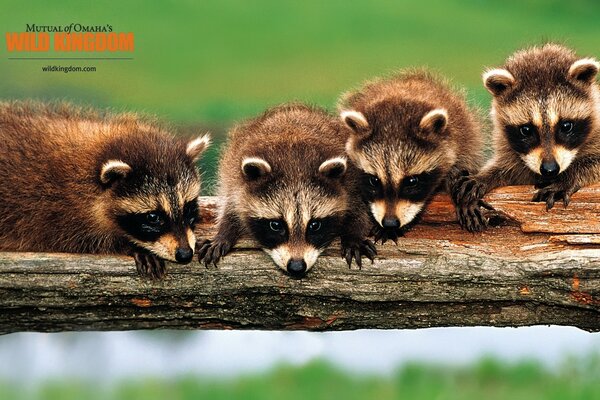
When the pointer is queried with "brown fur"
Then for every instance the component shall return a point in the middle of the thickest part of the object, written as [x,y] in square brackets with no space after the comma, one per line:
[52,198]
[295,140]
[400,141]
[541,93]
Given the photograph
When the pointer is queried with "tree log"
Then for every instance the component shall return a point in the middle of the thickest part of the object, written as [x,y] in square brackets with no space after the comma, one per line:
[539,267]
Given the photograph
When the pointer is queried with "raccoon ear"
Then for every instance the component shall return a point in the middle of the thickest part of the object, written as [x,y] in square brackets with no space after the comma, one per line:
[333,168]
[498,80]
[255,167]
[434,121]
[197,146]
[356,121]
[113,170]
[584,70]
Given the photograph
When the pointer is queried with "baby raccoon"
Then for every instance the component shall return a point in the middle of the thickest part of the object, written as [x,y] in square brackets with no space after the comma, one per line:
[410,135]
[546,110]
[73,180]
[285,180]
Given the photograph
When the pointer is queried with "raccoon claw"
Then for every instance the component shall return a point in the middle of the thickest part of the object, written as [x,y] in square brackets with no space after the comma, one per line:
[467,190]
[211,252]
[382,235]
[486,205]
[357,250]
[552,193]
[467,194]
[370,250]
[149,266]
[378,234]
[202,248]
[471,217]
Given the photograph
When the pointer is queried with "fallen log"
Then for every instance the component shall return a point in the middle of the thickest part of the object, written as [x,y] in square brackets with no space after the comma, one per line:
[539,267]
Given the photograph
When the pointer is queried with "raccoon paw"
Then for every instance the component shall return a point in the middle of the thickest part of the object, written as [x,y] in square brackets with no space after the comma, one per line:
[211,251]
[383,235]
[471,216]
[357,249]
[554,192]
[149,265]
[468,190]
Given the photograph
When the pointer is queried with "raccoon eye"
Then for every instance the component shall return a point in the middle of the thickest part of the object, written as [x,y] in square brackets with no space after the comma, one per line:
[411,181]
[566,127]
[314,226]
[526,130]
[276,226]
[154,219]
[374,181]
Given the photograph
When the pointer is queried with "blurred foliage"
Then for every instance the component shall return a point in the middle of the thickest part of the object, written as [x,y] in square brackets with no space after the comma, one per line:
[218,61]
[210,63]
[488,379]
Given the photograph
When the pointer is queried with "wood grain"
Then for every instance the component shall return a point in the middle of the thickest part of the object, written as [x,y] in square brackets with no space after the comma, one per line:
[539,267]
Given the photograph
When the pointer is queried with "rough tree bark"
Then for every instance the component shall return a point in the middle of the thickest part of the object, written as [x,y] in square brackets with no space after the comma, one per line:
[538,268]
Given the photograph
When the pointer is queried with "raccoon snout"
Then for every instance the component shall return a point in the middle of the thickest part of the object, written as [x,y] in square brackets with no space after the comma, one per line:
[391,223]
[296,268]
[184,255]
[549,169]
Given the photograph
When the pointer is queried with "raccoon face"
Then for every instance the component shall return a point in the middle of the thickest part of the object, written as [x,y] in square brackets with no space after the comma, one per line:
[402,165]
[157,212]
[545,123]
[294,221]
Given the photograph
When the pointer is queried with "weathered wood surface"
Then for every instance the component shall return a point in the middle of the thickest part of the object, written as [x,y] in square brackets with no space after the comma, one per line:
[539,268]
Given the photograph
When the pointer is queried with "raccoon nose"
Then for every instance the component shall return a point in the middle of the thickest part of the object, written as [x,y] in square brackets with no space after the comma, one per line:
[549,169]
[184,255]
[296,268]
[391,223]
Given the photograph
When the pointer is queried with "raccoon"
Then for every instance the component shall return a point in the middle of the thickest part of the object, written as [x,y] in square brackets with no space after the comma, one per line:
[285,180]
[410,135]
[76,180]
[546,116]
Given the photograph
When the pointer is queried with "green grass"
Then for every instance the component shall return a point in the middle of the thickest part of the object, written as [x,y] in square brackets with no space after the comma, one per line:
[219,61]
[488,379]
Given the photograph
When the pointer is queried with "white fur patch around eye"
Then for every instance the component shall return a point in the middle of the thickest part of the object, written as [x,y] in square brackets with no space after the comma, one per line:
[197,146]
[310,256]
[359,158]
[564,157]
[533,160]
[537,119]
[157,248]
[191,238]
[280,255]
[378,211]
[112,169]
[584,69]
[497,80]
[552,117]
[406,211]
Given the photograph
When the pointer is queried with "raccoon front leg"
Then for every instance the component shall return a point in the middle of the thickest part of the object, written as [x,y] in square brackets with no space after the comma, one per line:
[230,230]
[148,265]
[354,241]
[355,248]
[554,192]
[467,192]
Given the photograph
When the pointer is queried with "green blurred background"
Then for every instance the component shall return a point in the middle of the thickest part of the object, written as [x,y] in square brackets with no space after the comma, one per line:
[202,65]
[206,64]
[488,379]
